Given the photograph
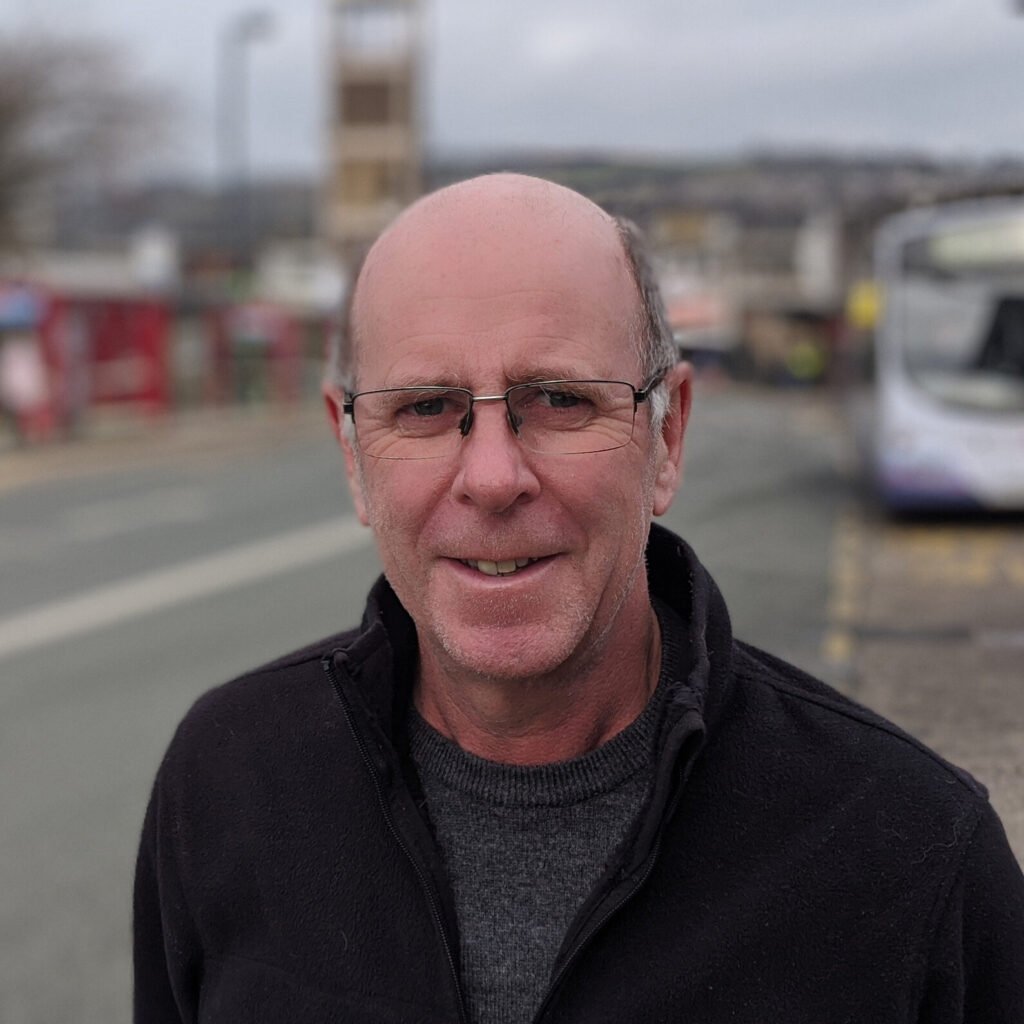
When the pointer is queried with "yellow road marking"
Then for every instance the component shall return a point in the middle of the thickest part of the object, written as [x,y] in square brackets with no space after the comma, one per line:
[846,590]
[955,556]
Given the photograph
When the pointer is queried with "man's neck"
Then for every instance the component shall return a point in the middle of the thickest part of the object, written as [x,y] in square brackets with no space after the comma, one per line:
[548,719]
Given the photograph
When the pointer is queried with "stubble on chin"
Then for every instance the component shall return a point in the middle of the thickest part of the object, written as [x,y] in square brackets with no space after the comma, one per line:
[519,640]
[528,637]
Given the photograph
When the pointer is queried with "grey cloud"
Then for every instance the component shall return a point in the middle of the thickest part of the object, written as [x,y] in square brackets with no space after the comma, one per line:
[652,75]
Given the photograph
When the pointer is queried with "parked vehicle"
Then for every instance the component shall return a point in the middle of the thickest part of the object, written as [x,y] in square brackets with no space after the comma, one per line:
[947,427]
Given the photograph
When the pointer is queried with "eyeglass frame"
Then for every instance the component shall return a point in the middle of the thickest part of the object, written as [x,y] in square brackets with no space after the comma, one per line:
[466,423]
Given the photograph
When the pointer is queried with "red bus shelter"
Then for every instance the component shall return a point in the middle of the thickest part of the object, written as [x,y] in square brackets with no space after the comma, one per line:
[63,354]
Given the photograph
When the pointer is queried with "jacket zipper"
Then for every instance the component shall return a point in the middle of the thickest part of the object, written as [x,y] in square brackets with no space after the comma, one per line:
[584,940]
[425,883]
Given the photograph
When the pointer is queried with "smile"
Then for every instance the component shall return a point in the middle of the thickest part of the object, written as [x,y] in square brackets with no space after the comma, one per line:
[503,568]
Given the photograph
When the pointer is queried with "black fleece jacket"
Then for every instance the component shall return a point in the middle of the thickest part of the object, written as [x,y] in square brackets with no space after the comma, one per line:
[800,861]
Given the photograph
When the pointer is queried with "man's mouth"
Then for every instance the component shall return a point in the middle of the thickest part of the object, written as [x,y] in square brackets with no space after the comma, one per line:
[502,568]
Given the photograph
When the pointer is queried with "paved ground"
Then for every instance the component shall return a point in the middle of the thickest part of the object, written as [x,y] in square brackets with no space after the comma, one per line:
[116,443]
[928,627]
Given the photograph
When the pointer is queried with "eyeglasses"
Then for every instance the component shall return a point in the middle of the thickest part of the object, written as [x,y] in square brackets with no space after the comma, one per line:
[552,417]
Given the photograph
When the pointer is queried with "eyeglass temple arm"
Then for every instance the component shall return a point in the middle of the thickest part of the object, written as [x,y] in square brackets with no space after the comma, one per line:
[644,393]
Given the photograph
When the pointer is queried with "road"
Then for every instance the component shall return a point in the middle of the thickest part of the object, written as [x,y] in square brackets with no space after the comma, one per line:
[139,572]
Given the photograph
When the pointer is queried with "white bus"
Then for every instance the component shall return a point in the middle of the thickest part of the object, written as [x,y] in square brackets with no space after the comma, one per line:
[948,423]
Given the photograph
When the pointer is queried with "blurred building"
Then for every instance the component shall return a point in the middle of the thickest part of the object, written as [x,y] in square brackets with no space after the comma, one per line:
[758,254]
[374,161]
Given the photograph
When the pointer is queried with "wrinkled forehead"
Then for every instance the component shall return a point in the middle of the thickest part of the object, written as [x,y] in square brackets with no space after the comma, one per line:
[474,265]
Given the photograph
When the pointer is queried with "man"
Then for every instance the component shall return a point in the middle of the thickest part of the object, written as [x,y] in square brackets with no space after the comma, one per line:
[541,781]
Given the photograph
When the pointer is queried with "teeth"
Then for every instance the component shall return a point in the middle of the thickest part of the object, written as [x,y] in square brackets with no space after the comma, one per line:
[503,568]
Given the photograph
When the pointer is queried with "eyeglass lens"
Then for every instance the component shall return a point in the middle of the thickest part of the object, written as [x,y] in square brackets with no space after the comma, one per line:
[563,417]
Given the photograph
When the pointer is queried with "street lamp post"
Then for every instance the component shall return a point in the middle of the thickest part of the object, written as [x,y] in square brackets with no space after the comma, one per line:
[233,126]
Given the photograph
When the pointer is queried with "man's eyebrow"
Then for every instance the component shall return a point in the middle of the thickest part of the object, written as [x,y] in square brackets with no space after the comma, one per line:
[525,374]
[428,379]
[547,371]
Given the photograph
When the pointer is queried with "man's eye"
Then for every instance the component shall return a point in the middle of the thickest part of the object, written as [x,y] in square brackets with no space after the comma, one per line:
[426,407]
[563,399]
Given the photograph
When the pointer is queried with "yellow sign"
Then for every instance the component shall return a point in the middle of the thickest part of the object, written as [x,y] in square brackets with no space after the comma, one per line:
[864,305]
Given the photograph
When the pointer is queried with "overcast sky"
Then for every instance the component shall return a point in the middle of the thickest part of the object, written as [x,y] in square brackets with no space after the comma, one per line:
[637,76]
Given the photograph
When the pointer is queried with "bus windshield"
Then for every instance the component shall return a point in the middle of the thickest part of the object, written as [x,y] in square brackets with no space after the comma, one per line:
[959,314]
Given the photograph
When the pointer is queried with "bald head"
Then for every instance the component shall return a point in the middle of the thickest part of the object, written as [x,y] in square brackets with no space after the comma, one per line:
[500,233]
[497,209]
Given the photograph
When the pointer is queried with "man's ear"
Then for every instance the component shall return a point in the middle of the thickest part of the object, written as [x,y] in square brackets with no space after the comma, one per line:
[669,474]
[334,399]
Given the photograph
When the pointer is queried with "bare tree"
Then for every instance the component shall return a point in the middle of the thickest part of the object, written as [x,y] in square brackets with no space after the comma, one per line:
[72,111]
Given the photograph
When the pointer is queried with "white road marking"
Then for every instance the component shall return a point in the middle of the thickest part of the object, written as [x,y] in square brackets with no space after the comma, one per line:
[164,588]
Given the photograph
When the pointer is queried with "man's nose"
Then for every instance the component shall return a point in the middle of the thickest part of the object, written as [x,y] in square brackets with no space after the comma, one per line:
[494,470]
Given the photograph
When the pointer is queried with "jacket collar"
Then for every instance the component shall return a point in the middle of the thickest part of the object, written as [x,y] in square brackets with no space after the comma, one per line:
[676,576]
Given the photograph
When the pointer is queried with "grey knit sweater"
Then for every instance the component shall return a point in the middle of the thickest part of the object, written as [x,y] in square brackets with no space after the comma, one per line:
[523,847]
